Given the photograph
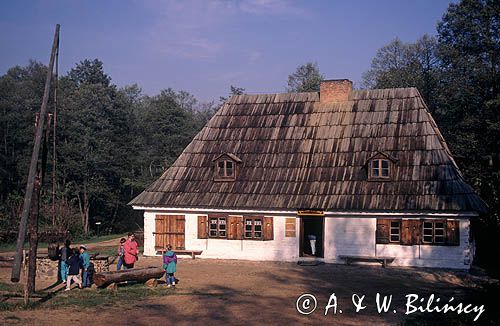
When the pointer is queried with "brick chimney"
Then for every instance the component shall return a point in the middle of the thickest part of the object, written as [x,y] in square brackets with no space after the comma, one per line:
[334,90]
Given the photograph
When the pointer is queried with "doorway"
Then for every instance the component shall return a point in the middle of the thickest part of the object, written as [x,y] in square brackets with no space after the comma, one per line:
[314,226]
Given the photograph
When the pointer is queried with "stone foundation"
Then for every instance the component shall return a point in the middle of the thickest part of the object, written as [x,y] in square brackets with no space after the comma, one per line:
[47,268]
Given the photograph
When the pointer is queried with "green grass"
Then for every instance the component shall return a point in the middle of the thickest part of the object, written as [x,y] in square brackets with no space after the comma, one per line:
[8,247]
[89,298]
[84,298]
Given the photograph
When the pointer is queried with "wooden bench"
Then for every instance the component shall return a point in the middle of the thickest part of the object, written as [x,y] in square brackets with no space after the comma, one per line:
[193,253]
[383,260]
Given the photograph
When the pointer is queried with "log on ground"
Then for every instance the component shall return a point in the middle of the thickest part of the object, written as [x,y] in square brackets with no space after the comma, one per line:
[134,274]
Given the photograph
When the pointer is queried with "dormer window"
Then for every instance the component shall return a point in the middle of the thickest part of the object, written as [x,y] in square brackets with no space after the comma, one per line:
[226,167]
[380,167]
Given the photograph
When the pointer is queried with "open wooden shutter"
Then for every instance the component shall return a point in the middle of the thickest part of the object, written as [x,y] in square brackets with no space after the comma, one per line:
[268,228]
[417,231]
[234,227]
[383,227]
[452,233]
[202,227]
[159,234]
[406,233]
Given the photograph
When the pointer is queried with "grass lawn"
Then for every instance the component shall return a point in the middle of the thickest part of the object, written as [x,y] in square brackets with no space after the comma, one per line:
[9,247]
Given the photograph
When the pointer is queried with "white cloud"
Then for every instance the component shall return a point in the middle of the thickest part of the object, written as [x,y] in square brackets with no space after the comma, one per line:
[188,28]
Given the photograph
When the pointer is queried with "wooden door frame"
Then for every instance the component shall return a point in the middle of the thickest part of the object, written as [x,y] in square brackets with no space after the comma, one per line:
[301,234]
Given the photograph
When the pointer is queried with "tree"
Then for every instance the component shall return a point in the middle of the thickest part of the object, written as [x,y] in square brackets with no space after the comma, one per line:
[469,47]
[399,64]
[233,90]
[306,78]
[89,71]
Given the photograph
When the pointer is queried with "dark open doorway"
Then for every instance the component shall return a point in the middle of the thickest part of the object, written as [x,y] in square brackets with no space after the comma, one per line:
[311,226]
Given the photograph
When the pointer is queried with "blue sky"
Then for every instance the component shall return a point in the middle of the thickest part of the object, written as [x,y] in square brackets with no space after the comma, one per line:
[203,47]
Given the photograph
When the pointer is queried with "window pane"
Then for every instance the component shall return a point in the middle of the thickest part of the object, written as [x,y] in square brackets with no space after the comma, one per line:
[427,238]
[375,172]
[439,225]
[439,239]
[248,234]
[222,220]
[375,164]
[229,168]
[385,172]
[222,226]
[258,228]
[394,224]
[222,233]
[385,164]
[258,234]
[427,225]
[395,238]
[220,165]
[439,232]
[428,232]
[213,233]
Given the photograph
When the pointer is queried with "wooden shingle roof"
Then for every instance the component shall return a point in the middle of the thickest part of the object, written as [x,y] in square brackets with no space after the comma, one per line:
[300,153]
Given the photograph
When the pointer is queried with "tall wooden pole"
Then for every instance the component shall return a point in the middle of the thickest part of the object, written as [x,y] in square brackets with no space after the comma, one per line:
[33,236]
[16,269]
[56,82]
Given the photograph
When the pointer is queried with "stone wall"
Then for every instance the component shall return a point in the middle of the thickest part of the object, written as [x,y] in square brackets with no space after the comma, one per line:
[47,268]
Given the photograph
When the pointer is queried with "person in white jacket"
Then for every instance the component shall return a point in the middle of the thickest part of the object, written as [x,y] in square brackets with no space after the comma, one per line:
[312,241]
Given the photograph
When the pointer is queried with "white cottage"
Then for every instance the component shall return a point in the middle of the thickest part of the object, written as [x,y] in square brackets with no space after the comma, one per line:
[366,172]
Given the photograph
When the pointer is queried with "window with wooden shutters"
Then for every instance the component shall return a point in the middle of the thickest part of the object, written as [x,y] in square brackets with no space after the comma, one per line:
[253,228]
[395,231]
[434,232]
[383,227]
[217,226]
[290,228]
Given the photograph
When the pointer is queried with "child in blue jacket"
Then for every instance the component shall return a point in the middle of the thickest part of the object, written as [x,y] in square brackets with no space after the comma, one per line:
[170,264]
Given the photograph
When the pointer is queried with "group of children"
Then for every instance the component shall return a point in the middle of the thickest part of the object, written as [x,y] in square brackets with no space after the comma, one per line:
[72,261]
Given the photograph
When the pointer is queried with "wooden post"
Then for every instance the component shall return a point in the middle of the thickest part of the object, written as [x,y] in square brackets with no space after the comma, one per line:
[16,269]
[54,141]
[26,296]
[33,238]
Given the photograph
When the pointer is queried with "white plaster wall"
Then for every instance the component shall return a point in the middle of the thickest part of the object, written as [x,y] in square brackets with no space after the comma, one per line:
[149,228]
[343,236]
[349,236]
[279,249]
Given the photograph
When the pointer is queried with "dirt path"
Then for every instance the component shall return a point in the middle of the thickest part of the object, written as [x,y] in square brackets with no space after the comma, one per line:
[244,292]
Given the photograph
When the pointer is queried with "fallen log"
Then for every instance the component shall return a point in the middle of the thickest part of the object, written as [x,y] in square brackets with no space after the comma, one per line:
[135,274]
